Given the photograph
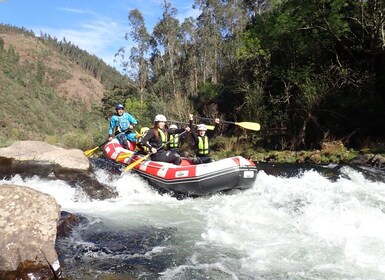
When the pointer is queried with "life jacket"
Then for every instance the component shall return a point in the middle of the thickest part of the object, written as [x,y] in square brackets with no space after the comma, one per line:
[139,144]
[174,141]
[203,145]
[163,136]
[139,140]
[123,123]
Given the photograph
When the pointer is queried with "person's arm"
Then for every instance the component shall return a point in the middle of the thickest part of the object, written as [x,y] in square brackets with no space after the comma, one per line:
[216,129]
[132,119]
[190,122]
[146,141]
[178,130]
[112,128]
[193,132]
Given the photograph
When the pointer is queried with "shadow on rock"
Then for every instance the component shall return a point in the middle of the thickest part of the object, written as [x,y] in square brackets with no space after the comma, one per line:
[76,178]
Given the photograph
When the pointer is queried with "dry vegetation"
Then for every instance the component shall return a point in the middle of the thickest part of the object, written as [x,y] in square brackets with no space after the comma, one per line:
[76,84]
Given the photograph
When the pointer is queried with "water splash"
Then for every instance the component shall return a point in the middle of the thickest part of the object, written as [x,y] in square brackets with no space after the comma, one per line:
[303,226]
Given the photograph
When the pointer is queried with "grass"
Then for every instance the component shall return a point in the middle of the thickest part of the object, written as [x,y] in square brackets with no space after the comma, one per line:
[331,152]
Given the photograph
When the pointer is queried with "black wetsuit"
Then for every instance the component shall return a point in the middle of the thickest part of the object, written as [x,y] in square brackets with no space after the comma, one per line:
[151,141]
[202,157]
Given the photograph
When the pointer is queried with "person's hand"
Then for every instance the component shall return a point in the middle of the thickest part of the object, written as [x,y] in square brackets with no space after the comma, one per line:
[110,139]
[191,117]
[153,150]
[187,129]
[217,121]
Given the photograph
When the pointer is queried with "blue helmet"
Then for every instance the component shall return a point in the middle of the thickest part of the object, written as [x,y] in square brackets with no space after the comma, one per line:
[119,106]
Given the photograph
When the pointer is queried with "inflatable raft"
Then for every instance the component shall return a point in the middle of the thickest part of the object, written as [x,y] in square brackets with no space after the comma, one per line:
[186,178]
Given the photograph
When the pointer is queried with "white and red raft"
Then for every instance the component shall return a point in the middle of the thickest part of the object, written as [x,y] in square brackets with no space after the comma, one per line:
[187,179]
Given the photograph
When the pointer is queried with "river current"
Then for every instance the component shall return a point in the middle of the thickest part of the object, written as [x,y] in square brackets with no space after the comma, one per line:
[294,223]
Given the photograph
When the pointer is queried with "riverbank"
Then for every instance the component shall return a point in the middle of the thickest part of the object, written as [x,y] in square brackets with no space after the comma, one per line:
[330,152]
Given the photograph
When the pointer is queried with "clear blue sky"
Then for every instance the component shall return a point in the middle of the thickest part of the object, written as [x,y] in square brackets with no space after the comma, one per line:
[97,26]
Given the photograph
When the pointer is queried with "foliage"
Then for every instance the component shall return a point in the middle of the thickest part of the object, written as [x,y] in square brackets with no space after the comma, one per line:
[139,110]
[30,107]
[306,70]
[313,69]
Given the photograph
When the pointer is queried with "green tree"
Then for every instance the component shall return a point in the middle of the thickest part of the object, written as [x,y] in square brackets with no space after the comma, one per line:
[307,46]
[138,59]
[167,38]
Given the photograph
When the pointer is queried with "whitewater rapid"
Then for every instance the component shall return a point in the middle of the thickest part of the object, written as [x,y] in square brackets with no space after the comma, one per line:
[301,227]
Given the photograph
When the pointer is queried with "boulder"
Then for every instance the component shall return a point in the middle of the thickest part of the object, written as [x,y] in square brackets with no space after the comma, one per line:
[28,227]
[30,158]
[372,160]
[66,223]
[378,161]
[41,151]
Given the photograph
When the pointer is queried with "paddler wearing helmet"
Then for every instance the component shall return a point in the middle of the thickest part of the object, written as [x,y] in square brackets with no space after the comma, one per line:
[122,127]
[202,141]
[156,141]
[175,139]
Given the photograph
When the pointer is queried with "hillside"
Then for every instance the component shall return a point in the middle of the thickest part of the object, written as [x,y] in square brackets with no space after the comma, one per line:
[46,94]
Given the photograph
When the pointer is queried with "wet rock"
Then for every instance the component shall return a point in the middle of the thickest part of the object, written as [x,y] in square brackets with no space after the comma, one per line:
[371,160]
[30,158]
[86,181]
[66,224]
[28,223]
[30,270]
[377,161]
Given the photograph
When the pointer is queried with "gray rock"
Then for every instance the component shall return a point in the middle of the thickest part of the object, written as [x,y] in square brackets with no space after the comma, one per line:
[41,151]
[29,158]
[28,226]
[372,160]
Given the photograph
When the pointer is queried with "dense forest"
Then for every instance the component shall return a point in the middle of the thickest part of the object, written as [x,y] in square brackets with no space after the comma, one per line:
[308,71]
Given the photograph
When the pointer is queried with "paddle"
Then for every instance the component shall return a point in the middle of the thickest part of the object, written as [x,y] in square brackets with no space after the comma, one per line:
[248,125]
[90,152]
[209,127]
[135,163]
[124,156]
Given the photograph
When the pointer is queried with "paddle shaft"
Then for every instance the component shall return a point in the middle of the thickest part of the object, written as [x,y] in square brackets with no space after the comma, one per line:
[248,125]
[90,152]
[209,127]
[209,119]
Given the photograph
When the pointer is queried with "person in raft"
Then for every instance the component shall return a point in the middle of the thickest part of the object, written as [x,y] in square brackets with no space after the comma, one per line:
[156,141]
[139,141]
[121,126]
[201,141]
[175,140]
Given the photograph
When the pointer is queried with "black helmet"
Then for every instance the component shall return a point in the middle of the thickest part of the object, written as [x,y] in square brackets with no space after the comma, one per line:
[119,106]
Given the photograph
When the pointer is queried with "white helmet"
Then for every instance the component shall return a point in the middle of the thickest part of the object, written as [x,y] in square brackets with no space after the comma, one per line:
[173,126]
[160,118]
[202,127]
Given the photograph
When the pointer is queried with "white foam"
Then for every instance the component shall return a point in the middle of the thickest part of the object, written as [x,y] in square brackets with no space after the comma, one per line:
[297,226]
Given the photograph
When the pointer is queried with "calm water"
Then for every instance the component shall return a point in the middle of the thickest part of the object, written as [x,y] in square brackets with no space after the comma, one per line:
[295,223]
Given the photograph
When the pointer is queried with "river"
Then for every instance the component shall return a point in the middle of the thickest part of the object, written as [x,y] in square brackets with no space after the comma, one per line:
[294,223]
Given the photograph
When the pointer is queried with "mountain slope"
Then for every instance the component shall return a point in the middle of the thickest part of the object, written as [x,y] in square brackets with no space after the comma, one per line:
[47,95]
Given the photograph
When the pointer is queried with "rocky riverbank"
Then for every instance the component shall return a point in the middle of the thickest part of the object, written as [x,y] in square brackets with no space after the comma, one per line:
[30,220]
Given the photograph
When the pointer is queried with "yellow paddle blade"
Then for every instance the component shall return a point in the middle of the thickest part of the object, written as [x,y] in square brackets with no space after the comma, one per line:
[89,153]
[124,156]
[135,163]
[249,125]
[210,127]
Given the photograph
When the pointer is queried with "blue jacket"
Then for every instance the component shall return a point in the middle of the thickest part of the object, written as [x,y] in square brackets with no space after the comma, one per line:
[122,123]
